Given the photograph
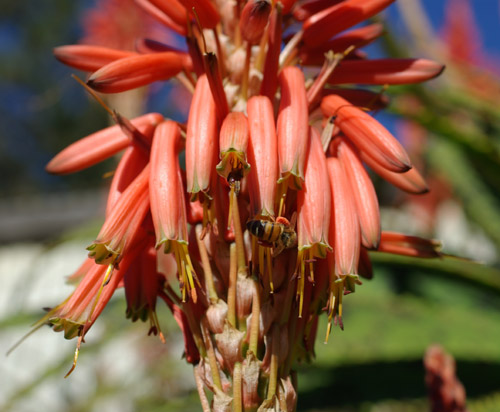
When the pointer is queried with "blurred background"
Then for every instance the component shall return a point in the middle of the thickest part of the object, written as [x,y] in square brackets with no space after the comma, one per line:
[450,126]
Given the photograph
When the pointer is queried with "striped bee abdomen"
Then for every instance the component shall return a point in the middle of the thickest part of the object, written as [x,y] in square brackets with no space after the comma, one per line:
[265,230]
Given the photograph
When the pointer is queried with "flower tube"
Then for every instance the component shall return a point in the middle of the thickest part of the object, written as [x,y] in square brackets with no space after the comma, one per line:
[323,25]
[201,139]
[99,146]
[365,198]
[293,127]
[168,209]
[366,133]
[262,156]
[136,71]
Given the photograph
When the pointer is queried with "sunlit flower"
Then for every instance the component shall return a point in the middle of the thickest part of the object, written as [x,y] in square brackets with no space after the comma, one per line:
[276,207]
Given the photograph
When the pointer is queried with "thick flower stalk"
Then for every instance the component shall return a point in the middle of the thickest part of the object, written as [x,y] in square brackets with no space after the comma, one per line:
[269,222]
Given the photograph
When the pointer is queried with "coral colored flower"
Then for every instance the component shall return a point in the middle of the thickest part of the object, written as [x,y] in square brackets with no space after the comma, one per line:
[314,202]
[100,145]
[262,144]
[366,133]
[89,58]
[344,227]
[410,181]
[365,198]
[123,223]
[326,23]
[136,71]
[233,146]
[201,139]
[131,164]
[400,244]
[168,209]
[385,71]
[248,276]
[293,127]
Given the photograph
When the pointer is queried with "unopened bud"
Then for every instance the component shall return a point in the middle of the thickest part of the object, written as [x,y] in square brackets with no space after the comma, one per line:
[254,18]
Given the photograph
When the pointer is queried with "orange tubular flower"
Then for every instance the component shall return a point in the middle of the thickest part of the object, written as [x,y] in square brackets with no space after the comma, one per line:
[253,20]
[136,71]
[123,223]
[169,217]
[315,55]
[168,209]
[399,244]
[367,133]
[365,198]
[99,146]
[233,146]
[201,139]
[366,99]
[313,212]
[173,9]
[293,127]
[385,71]
[344,227]
[262,156]
[325,24]
[89,58]
[314,202]
[131,164]
[161,16]
[76,314]
[410,181]
[143,283]
[275,228]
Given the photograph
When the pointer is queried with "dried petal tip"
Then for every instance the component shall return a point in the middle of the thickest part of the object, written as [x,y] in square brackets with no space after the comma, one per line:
[254,18]
[233,146]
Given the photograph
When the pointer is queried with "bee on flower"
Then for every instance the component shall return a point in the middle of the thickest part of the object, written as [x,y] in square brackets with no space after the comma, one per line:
[269,222]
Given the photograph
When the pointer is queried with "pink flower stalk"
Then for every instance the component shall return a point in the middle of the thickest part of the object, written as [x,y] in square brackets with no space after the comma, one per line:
[255,263]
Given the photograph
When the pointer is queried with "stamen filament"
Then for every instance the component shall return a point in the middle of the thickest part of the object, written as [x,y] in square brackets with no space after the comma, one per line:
[207,269]
[231,292]
[255,323]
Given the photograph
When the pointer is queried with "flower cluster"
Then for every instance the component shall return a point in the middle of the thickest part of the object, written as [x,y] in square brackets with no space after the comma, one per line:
[268,222]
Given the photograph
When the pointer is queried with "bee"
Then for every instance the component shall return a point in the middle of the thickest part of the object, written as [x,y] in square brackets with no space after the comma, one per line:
[279,234]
